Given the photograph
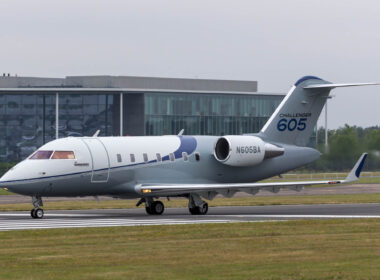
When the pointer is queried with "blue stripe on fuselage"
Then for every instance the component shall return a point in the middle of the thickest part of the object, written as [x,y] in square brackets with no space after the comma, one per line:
[188,145]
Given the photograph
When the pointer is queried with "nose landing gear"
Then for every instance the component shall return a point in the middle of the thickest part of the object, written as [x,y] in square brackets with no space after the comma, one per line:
[37,212]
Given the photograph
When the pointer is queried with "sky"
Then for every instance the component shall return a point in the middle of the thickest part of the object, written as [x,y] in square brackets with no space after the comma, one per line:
[273,42]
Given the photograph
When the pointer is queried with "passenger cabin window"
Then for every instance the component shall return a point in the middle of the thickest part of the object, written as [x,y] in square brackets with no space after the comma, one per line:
[63,155]
[145,156]
[172,158]
[159,158]
[41,155]
[185,157]
[132,158]
[197,157]
[118,156]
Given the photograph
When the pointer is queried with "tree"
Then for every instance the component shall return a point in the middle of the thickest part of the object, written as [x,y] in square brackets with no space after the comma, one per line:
[344,147]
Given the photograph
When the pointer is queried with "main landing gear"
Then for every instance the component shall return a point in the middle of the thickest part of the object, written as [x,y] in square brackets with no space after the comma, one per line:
[37,212]
[155,208]
[152,207]
[196,205]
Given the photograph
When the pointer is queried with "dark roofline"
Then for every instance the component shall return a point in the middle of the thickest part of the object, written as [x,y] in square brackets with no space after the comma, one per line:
[76,90]
[131,83]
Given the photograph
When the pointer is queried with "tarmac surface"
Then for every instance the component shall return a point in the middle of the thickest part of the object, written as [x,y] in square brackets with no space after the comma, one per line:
[175,216]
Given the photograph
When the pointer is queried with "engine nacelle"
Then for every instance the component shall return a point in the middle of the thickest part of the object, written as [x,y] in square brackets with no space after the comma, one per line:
[244,150]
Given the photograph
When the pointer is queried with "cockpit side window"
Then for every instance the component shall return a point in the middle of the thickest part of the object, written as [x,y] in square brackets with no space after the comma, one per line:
[63,155]
[41,155]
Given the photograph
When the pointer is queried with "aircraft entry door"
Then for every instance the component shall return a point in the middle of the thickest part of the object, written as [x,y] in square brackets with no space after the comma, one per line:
[100,160]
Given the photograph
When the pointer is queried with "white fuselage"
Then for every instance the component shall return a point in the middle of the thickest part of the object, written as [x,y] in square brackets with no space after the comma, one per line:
[116,165]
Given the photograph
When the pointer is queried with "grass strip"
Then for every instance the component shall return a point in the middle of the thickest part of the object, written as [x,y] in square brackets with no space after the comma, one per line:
[308,249]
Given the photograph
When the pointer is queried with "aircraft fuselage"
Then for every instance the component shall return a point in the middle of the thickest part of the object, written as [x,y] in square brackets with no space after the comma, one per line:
[115,165]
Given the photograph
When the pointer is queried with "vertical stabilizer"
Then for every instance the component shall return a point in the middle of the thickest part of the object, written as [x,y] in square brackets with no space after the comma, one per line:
[295,118]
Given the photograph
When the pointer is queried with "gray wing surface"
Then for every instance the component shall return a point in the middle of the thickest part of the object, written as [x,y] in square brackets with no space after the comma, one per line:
[211,190]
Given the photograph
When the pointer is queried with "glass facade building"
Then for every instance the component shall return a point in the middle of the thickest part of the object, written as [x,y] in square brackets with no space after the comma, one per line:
[207,114]
[27,121]
[149,106]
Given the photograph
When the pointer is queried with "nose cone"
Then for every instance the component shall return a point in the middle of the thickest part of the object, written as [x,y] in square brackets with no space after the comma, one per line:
[7,176]
[6,181]
[2,185]
[14,180]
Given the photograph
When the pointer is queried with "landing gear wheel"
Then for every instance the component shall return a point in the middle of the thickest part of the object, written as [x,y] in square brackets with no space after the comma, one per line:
[157,208]
[199,210]
[32,213]
[39,213]
[148,210]
[203,209]
[194,210]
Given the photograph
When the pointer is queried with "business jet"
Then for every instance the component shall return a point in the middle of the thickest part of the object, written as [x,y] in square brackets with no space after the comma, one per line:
[193,167]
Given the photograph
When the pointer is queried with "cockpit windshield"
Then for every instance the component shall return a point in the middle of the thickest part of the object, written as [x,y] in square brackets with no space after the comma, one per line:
[63,155]
[41,155]
[56,155]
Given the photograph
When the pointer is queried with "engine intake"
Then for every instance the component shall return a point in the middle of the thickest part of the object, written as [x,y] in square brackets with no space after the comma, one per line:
[244,150]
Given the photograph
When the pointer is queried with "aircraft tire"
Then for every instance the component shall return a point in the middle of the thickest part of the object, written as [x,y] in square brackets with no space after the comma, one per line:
[39,213]
[148,210]
[32,213]
[203,209]
[199,210]
[194,210]
[158,208]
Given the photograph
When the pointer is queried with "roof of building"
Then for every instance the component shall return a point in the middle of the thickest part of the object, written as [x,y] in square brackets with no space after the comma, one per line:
[125,84]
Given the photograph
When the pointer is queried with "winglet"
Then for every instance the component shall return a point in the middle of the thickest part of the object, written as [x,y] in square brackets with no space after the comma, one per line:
[355,172]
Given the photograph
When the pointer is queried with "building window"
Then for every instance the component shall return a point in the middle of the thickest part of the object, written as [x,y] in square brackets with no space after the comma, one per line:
[205,114]
[132,157]
[118,157]
[197,157]
[172,158]
[145,156]
[159,158]
[185,157]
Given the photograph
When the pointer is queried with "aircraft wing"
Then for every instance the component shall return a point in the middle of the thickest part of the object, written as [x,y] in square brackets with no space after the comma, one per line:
[209,191]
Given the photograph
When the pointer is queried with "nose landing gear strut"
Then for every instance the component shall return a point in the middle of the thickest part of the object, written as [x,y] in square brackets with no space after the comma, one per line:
[37,212]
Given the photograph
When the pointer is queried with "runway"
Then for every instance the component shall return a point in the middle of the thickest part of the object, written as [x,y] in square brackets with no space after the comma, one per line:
[175,216]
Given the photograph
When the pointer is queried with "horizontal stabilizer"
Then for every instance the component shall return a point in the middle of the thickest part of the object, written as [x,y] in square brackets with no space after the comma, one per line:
[331,86]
